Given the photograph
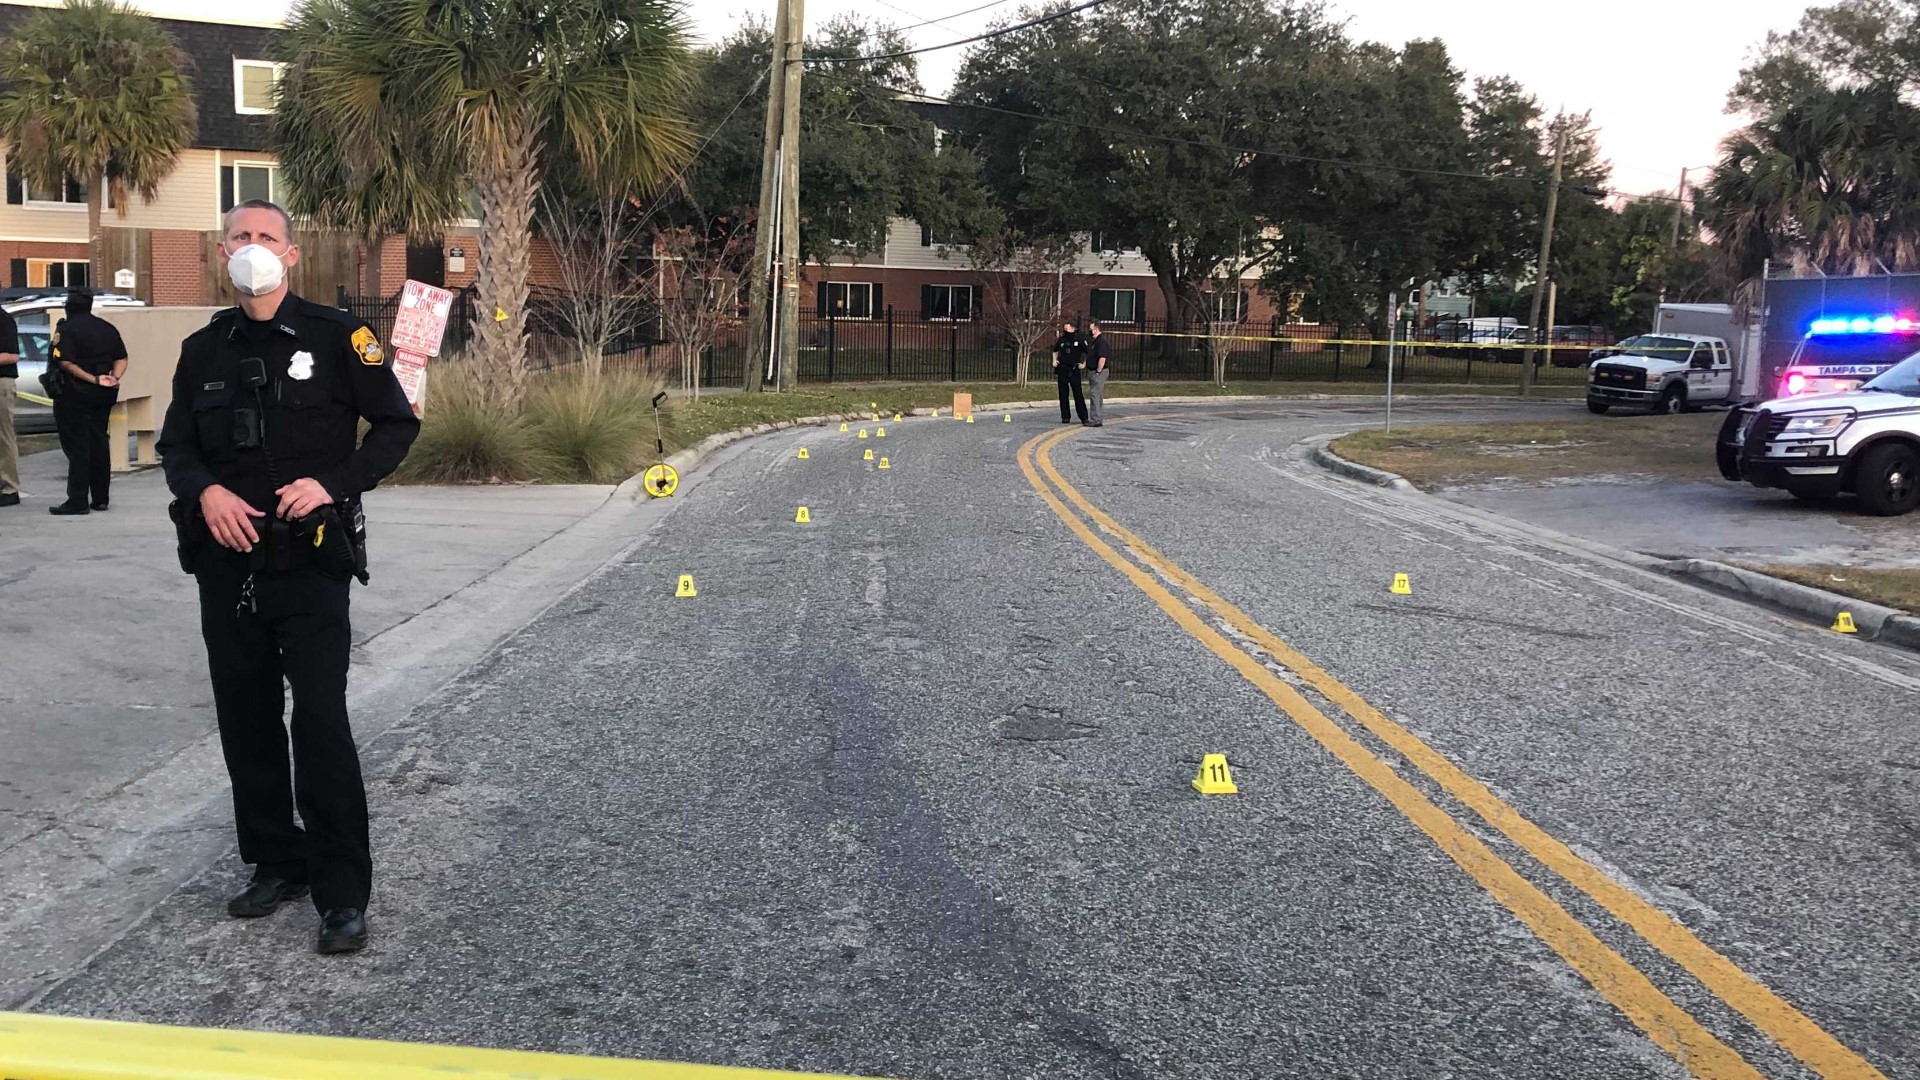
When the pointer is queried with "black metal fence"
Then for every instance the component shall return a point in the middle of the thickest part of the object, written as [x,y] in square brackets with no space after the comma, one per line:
[900,347]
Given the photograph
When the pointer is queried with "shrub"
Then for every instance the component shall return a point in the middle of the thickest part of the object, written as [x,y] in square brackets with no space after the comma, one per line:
[463,440]
[593,429]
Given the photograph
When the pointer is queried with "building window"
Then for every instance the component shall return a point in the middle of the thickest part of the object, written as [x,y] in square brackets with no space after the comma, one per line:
[71,194]
[1227,307]
[949,303]
[57,273]
[848,300]
[1116,305]
[248,180]
[253,83]
[1034,303]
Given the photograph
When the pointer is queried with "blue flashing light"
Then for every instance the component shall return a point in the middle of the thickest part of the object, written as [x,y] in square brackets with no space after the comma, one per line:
[1865,324]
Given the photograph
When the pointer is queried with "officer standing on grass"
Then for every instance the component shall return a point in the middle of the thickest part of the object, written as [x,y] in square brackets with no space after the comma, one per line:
[1069,359]
[259,448]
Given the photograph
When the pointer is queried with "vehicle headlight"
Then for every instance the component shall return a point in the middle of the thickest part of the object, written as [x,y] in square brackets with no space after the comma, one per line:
[1818,426]
[1649,378]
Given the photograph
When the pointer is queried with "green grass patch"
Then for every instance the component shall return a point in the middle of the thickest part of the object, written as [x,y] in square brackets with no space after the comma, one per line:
[693,421]
[1678,447]
[1888,588]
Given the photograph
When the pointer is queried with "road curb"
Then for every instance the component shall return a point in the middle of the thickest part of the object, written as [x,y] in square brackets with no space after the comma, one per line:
[1886,625]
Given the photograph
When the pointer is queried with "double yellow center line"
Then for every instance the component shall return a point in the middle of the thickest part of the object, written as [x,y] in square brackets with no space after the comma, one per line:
[1669,1026]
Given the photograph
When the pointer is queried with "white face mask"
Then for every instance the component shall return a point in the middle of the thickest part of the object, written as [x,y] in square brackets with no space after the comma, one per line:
[255,270]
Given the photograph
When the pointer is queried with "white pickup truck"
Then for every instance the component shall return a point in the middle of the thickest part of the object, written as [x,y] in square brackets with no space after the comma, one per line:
[1666,373]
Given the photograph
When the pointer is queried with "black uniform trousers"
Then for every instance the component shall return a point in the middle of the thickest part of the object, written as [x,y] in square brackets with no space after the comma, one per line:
[1070,376]
[80,418]
[298,632]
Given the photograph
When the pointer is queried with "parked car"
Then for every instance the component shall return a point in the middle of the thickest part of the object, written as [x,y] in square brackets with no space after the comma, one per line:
[1863,442]
[31,417]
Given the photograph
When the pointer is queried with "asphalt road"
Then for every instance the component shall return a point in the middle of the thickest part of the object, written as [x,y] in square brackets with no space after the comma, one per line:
[905,791]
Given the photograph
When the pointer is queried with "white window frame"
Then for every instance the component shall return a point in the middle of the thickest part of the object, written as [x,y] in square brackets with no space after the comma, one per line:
[239,100]
[28,200]
[849,286]
[1215,303]
[1035,302]
[273,178]
[43,264]
[1133,316]
[971,300]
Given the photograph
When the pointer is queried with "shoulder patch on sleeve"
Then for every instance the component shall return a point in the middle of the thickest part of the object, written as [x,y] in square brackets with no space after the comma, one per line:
[367,346]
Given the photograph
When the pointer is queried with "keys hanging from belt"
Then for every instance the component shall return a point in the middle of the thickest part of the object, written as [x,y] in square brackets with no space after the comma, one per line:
[248,604]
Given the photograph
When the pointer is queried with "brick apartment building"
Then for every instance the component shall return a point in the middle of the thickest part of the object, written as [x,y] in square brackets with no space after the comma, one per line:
[171,245]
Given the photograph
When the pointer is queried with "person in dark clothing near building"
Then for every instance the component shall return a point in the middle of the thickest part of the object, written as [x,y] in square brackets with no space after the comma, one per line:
[9,447]
[1099,358]
[263,454]
[1069,360]
[89,351]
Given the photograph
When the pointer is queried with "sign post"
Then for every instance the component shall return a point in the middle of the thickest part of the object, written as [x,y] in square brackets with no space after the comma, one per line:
[419,325]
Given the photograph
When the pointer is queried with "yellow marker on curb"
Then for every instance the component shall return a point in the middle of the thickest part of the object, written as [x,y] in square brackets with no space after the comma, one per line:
[969,418]
[876,417]
[802,455]
[863,433]
[1006,418]
[880,434]
[843,427]
[802,517]
[686,587]
[884,465]
[1843,623]
[869,455]
[1215,778]
[896,418]
[1401,586]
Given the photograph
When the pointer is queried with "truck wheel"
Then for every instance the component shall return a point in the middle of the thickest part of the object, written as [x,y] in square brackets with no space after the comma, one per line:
[1672,402]
[1887,479]
[1598,408]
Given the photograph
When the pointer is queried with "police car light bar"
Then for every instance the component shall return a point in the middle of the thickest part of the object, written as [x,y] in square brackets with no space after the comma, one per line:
[1863,324]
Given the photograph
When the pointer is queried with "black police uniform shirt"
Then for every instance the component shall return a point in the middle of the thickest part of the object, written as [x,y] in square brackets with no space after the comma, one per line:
[91,344]
[9,343]
[1069,347]
[325,371]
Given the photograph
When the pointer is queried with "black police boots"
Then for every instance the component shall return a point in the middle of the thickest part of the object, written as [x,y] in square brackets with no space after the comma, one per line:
[262,896]
[342,930]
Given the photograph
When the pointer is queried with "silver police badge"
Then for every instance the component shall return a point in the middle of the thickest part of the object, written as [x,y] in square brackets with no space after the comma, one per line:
[301,366]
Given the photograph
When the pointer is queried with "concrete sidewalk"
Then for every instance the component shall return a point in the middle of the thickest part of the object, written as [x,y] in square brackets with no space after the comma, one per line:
[112,791]
[1733,523]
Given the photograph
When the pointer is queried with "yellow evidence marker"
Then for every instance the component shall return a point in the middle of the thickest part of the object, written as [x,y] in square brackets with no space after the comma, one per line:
[1215,778]
[969,418]
[884,465]
[802,517]
[843,428]
[1843,623]
[662,480]
[1401,586]
[880,434]
[1006,418]
[869,456]
[686,586]
[863,433]
[896,418]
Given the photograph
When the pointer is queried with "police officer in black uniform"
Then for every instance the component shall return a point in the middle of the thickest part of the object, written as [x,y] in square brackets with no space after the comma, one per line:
[1069,360]
[90,353]
[259,448]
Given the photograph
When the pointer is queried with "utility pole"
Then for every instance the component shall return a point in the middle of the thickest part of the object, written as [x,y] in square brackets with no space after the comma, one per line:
[1673,238]
[1546,252]
[788,341]
[765,228]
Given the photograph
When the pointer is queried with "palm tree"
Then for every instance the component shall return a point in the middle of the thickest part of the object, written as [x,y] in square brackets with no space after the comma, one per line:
[97,93]
[506,92]
[1827,181]
[386,189]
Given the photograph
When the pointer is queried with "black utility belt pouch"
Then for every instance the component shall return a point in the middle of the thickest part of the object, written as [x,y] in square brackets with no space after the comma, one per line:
[189,532]
[334,539]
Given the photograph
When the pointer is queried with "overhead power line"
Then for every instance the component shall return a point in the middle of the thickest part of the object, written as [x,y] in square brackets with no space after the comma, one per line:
[1029,24]
[955,15]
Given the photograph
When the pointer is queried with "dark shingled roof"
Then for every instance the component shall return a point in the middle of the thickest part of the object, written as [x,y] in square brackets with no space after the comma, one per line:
[212,47]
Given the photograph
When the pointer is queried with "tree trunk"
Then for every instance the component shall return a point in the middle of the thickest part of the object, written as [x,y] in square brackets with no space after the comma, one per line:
[507,190]
[96,197]
[375,244]
[1176,315]
[1377,361]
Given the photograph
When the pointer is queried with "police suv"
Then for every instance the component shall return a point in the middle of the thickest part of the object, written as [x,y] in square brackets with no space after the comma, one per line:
[1864,441]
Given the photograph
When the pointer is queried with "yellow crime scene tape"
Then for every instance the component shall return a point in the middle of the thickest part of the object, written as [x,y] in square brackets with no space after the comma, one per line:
[35,1047]
[1399,343]
[35,398]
